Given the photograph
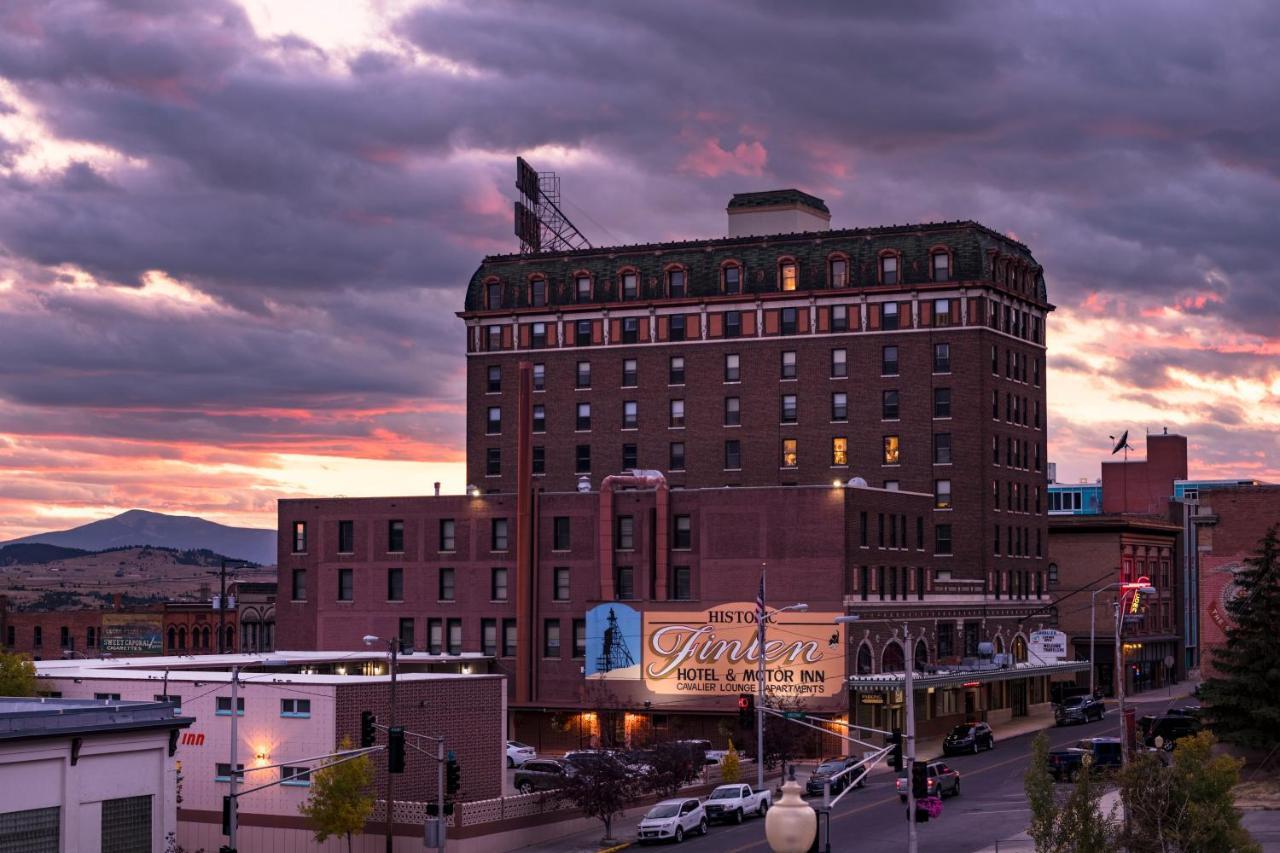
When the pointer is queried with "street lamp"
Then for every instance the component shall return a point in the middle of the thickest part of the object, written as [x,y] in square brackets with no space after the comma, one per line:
[233,806]
[1140,586]
[762,618]
[393,649]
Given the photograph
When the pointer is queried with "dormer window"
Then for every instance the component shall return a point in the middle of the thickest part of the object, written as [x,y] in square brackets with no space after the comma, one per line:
[889,269]
[538,292]
[675,283]
[630,285]
[493,296]
[582,288]
[732,279]
[839,272]
[787,276]
[941,266]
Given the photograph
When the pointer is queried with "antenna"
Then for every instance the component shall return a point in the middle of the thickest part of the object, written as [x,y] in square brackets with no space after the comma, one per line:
[539,222]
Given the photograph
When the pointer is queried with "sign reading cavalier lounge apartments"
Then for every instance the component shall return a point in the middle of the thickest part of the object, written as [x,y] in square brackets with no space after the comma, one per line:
[714,652]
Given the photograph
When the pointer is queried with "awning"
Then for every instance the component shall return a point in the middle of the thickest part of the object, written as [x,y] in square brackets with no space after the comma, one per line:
[958,678]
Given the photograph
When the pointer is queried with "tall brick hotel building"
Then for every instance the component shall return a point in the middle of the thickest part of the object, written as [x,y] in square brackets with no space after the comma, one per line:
[861,412]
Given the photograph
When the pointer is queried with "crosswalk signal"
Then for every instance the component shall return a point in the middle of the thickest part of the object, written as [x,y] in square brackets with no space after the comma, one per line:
[452,775]
[395,749]
[895,755]
[746,710]
[368,735]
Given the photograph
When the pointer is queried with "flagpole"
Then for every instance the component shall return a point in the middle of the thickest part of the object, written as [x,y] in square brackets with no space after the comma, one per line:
[760,683]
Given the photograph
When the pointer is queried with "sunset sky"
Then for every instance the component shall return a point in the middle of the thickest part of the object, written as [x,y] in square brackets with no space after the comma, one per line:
[233,235]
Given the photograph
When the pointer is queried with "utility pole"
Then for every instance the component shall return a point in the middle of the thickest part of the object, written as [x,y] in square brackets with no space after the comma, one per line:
[910,710]
[760,620]
[440,791]
[235,742]
[222,622]
[1119,667]
[394,645]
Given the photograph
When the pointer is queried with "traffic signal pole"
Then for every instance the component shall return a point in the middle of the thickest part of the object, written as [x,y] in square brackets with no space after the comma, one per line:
[395,647]
[909,660]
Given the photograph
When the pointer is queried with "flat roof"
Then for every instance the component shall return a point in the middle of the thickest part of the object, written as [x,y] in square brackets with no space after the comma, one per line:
[959,677]
[28,718]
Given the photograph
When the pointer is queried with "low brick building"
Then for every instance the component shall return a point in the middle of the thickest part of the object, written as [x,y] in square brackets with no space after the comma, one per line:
[174,628]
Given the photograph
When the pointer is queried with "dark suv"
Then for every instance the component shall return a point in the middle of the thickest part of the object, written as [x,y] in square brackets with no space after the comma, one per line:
[830,768]
[1078,709]
[969,737]
[540,774]
[1169,728]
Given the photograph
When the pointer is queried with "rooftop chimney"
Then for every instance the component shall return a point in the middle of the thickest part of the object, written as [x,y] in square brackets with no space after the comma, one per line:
[777,212]
[437,488]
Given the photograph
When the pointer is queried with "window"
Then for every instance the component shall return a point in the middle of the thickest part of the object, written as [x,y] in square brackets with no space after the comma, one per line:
[539,459]
[493,462]
[493,296]
[942,312]
[942,494]
[839,318]
[789,321]
[582,334]
[539,377]
[630,285]
[946,639]
[732,455]
[889,316]
[299,591]
[889,269]
[995,405]
[560,533]
[1053,574]
[682,536]
[995,360]
[489,637]
[787,276]
[839,363]
[538,336]
[942,402]
[624,583]
[584,375]
[583,422]
[222,706]
[295,776]
[345,580]
[582,288]
[446,534]
[731,370]
[788,368]
[222,772]
[889,361]
[435,636]
[582,459]
[540,418]
[675,283]
[65,637]
[732,279]
[892,450]
[630,330]
[446,585]
[346,537]
[115,697]
[732,411]
[626,533]
[681,584]
[630,458]
[455,636]
[395,584]
[839,406]
[560,590]
[299,537]
[942,358]
[494,342]
[677,456]
[789,408]
[508,638]
[840,451]
[675,370]
[498,534]
[630,418]
[839,272]
[395,536]
[172,699]
[676,331]
[790,454]
[1035,372]
[498,584]
[942,448]
[628,373]
[732,324]
[889,405]
[677,413]
[293,707]
[941,266]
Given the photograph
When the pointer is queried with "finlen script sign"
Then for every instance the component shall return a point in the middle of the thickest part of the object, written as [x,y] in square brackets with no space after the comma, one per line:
[716,652]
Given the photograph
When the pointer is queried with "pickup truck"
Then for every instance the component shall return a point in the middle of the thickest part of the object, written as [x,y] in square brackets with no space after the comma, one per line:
[1104,753]
[734,802]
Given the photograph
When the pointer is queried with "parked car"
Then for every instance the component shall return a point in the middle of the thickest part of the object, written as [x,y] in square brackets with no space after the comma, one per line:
[672,820]
[1104,753]
[942,780]
[826,770]
[1187,711]
[735,802]
[1078,709]
[518,753]
[1169,728]
[969,737]
[541,774]
[638,761]
[703,751]
[582,758]
[1061,691]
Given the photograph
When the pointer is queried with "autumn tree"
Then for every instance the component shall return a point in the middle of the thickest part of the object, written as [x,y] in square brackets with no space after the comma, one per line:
[17,675]
[671,767]
[1065,823]
[340,799]
[601,787]
[731,767]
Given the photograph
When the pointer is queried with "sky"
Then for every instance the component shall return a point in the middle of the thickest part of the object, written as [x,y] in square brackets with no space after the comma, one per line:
[233,235]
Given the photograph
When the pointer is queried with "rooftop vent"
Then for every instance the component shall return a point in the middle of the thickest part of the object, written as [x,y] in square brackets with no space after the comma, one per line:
[777,212]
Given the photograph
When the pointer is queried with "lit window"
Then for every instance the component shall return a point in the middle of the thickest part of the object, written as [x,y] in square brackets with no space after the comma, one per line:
[839,272]
[787,276]
[839,363]
[790,455]
[733,279]
[677,413]
[942,312]
[788,408]
[941,266]
[630,285]
[675,283]
[889,269]
[840,406]
[942,494]
[839,451]
[582,288]
[538,292]
[788,365]
[584,416]
[891,450]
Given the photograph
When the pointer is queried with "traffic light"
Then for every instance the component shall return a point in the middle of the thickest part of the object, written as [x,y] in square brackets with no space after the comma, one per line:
[746,710]
[226,815]
[920,780]
[895,756]
[395,749]
[452,775]
[368,734]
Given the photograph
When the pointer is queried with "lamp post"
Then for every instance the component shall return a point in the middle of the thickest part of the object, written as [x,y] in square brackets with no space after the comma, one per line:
[393,648]
[762,618]
[222,603]
[1141,586]
[233,806]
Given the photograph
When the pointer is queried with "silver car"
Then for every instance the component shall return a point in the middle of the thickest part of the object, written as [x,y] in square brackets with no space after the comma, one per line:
[672,820]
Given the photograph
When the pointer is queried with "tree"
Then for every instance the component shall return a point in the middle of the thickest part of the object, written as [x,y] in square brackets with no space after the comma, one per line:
[1244,701]
[783,739]
[1038,784]
[17,675]
[672,766]
[601,788]
[1070,823]
[1187,806]
[731,767]
[340,801]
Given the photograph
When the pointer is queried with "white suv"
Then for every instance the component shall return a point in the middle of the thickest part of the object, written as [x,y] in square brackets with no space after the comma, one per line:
[672,820]
[518,753]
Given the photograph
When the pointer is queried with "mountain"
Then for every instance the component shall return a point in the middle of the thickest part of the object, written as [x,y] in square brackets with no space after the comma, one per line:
[34,553]
[184,532]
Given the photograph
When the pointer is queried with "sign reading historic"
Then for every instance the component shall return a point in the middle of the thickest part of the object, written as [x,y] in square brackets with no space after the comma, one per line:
[131,634]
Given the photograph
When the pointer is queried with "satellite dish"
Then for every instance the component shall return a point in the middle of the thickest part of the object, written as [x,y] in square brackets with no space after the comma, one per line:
[1122,443]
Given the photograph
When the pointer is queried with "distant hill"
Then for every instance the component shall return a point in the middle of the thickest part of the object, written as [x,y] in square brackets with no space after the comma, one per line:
[35,553]
[181,532]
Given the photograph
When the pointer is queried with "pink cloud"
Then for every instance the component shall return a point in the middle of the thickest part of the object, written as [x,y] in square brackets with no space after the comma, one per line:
[710,160]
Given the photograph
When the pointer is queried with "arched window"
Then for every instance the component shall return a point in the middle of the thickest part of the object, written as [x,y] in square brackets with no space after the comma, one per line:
[922,656]
[889,268]
[538,292]
[182,638]
[582,287]
[731,279]
[838,271]
[997,643]
[630,283]
[891,658]
[940,264]
[173,637]
[204,638]
[1019,649]
[493,295]
[864,659]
